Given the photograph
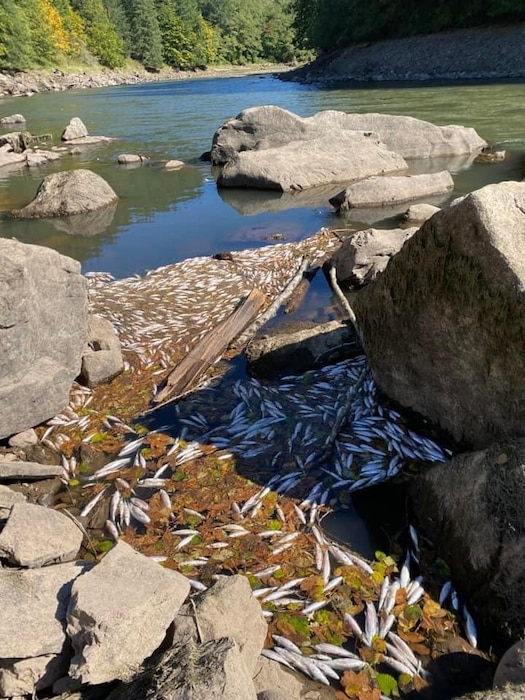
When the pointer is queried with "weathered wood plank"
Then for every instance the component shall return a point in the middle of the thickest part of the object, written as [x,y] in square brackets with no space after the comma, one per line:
[210,348]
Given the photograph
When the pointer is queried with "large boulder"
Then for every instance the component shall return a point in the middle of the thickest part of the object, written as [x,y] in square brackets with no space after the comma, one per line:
[69,192]
[271,127]
[385,191]
[298,165]
[43,330]
[444,325]
[473,509]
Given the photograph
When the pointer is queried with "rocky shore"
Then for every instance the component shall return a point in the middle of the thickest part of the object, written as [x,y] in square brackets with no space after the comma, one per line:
[492,53]
[32,82]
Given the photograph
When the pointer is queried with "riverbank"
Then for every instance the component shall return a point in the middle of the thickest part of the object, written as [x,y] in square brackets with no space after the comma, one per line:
[33,82]
[494,53]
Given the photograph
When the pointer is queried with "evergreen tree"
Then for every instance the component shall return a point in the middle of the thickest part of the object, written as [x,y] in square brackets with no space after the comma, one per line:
[145,32]
[117,16]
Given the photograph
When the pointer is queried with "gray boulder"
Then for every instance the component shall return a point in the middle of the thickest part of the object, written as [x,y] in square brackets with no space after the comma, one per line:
[76,129]
[273,681]
[43,330]
[119,613]
[102,359]
[66,193]
[473,509]
[174,164]
[13,119]
[443,325]
[298,165]
[271,127]
[228,609]
[35,536]
[386,191]
[35,159]
[34,604]
[365,254]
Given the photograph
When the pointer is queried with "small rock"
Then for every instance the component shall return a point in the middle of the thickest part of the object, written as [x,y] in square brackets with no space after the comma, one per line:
[76,129]
[385,191]
[10,470]
[127,158]
[174,165]
[13,119]
[35,536]
[8,498]
[25,676]
[24,439]
[102,359]
[69,192]
[418,213]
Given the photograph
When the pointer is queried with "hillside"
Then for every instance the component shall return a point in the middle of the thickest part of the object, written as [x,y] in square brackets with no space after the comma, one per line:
[461,54]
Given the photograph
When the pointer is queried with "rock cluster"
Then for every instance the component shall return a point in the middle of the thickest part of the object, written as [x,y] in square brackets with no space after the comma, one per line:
[68,623]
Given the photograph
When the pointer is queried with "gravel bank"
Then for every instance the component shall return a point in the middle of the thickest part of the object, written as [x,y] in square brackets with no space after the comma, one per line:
[463,54]
[30,83]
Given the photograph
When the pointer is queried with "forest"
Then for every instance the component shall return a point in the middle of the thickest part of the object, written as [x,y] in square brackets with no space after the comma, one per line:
[186,34]
[323,25]
[177,33]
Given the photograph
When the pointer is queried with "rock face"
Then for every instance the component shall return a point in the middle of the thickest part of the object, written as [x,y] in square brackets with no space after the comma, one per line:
[76,129]
[43,330]
[367,253]
[473,509]
[119,613]
[385,191]
[298,165]
[266,127]
[66,193]
[444,325]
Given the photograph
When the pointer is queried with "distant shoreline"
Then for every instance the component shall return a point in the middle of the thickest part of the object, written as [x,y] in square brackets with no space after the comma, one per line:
[29,83]
[493,53]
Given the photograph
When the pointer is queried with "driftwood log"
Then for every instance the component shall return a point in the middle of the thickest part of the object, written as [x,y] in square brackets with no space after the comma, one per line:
[210,348]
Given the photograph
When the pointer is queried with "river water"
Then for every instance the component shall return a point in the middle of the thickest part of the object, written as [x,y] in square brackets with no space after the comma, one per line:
[164,217]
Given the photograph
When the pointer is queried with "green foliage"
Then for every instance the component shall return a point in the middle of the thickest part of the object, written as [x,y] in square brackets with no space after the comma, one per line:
[329,24]
[145,32]
[102,37]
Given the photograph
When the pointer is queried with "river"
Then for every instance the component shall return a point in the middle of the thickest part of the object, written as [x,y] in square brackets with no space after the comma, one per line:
[164,217]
